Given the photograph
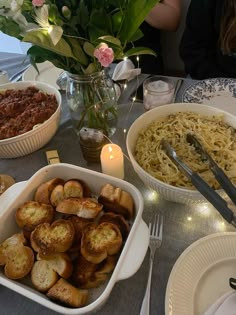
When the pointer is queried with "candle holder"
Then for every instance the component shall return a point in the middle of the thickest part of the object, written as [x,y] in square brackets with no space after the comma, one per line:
[91,143]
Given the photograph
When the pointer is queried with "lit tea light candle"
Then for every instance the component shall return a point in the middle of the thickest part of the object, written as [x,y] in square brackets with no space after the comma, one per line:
[112,160]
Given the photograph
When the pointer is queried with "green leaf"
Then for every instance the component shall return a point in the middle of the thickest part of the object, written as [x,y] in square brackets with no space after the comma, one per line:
[89,49]
[41,38]
[136,12]
[10,27]
[110,39]
[100,24]
[140,51]
[77,50]
[91,68]
[137,35]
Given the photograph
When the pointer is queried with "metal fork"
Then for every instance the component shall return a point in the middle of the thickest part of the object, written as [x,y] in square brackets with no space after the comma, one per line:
[156,229]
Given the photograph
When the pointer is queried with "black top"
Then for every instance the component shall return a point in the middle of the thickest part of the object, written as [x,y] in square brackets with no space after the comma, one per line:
[151,39]
[199,47]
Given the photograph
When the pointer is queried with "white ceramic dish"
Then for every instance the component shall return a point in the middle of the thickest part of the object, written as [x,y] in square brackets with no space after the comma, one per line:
[48,73]
[169,192]
[36,138]
[201,275]
[216,92]
[132,254]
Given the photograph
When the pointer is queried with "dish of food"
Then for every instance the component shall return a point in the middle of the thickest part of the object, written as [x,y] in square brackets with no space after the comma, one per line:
[80,248]
[27,130]
[218,137]
[201,275]
[186,195]
[6,181]
[48,73]
[217,92]
[22,110]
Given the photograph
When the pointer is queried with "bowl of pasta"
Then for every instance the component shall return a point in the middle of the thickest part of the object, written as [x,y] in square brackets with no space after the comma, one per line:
[213,127]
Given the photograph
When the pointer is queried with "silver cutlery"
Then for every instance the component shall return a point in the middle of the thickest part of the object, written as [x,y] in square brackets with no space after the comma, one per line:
[177,88]
[18,75]
[156,229]
[203,187]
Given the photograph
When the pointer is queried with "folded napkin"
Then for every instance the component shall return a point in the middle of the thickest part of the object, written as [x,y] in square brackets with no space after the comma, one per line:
[225,305]
[123,72]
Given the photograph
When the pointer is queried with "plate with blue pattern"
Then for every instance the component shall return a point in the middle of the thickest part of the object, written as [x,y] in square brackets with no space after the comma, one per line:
[216,92]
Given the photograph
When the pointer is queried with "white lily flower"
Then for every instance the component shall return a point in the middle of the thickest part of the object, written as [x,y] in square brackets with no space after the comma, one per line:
[55,32]
[5,4]
[20,19]
[16,5]
[12,8]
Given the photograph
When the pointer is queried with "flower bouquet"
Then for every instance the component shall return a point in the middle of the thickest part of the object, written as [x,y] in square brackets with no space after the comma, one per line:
[82,37]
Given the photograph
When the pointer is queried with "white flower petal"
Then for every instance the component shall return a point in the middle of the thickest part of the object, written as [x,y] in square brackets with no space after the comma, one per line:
[55,32]
[20,19]
[42,16]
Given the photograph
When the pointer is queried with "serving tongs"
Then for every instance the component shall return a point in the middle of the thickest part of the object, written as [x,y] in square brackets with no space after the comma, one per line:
[209,193]
[219,174]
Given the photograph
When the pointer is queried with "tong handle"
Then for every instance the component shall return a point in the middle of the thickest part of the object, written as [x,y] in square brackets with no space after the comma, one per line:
[225,182]
[219,174]
[209,193]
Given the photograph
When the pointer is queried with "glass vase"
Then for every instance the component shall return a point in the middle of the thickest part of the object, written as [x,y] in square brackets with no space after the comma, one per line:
[92,102]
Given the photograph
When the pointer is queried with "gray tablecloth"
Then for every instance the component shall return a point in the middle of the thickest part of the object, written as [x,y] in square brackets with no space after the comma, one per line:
[126,296]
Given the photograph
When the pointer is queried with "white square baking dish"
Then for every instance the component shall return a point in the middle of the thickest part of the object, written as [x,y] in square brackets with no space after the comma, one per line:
[131,256]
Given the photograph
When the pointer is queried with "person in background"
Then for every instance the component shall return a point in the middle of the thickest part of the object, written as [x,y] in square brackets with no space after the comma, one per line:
[164,16]
[208,44]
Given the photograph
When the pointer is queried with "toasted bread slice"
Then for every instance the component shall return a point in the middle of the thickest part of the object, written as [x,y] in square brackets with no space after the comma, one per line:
[15,240]
[46,270]
[42,276]
[79,225]
[57,195]
[60,263]
[87,275]
[17,258]
[119,221]
[67,294]
[43,192]
[48,239]
[71,188]
[83,271]
[83,207]
[19,262]
[99,241]
[33,213]
[114,199]
[5,182]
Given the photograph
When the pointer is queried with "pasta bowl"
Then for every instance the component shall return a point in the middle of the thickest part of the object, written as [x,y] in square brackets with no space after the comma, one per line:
[168,190]
[32,140]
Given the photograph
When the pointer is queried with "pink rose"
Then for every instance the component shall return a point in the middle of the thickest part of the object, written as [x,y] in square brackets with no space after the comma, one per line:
[37,3]
[104,54]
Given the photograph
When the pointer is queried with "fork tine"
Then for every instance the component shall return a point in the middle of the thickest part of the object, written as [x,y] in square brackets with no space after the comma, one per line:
[161,227]
[156,225]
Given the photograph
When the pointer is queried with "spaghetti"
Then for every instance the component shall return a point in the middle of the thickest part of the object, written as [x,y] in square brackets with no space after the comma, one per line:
[217,137]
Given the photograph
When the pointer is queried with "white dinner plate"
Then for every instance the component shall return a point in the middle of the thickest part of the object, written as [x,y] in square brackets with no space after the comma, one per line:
[201,274]
[218,92]
[48,73]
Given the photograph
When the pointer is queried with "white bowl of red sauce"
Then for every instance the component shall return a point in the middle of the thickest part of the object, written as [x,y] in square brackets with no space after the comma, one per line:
[29,117]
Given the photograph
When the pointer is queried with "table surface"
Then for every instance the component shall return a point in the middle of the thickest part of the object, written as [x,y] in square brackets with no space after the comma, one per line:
[179,232]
